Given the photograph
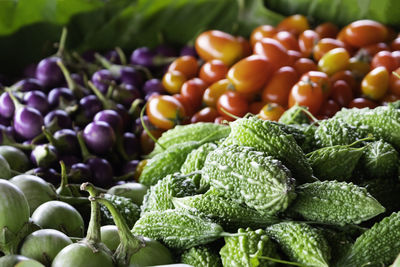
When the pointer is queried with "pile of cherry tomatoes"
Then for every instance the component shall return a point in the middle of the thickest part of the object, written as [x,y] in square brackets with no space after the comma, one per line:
[324,69]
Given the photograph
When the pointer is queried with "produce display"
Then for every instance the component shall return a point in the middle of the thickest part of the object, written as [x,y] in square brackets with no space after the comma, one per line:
[277,150]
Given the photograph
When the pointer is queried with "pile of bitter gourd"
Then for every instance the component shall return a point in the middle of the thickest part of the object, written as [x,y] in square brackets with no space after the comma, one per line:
[262,193]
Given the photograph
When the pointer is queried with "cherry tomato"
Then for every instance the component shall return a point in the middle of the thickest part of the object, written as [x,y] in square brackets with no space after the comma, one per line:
[246,48]
[375,83]
[373,49]
[395,44]
[389,99]
[334,60]
[223,120]
[207,114]
[164,111]
[329,108]
[188,107]
[358,66]
[213,71]
[348,77]
[255,107]
[250,74]
[147,144]
[394,83]
[271,112]
[320,79]
[261,32]
[232,102]
[324,45]
[274,51]
[341,36]
[306,94]
[342,93]
[293,56]
[307,40]
[220,45]
[365,32]
[396,55]
[303,65]
[173,81]
[295,24]
[287,39]
[384,59]
[214,91]
[362,102]
[193,91]
[187,65]
[327,30]
[278,88]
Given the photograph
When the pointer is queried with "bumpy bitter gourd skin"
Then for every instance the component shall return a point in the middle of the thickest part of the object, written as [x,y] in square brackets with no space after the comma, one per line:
[239,251]
[177,229]
[383,122]
[339,242]
[226,212]
[125,206]
[294,115]
[268,137]
[334,162]
[201,256]
[378,246]
[335,202]
[195,161]
[190,132]
[250,177]
[301,242]
[159,196]
[379,159]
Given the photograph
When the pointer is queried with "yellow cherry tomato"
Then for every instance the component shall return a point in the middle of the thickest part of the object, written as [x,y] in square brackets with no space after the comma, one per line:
[173,81]
[271,111]
[334,60]
[375,84]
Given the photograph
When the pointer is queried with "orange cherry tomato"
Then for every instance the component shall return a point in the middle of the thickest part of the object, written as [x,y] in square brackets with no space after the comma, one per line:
[232,102]
[395,44]
[394,83]
[327,30]
[373,49]
[193,91]
[250,74]
[329,108]
[334,60]
[293,56]
[271,112]
[384,59]
[278,88]
[319,79]
[207,114]
[246,48]
[307,40]
[255,107]
[261,32]
[303,65]
[365,32]
[362,102]
[164,111]
[220,45]
[324,45]
[342,93]
[213,71]
[306,94]
[295,24]
[275,52]
[375,84]
[214,91]
[287,39]
[187,65]
[348,77]
[173,81]
[189,108]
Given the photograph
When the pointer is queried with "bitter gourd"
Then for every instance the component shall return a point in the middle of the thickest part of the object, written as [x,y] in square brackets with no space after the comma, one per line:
[228,213]
[195,162]
[294,115]
[339,242]
[335,202]
[159,196]
[177,229]
[334,162]
[396,263]
[125,206]
[190,132]
[201,256]
[301,242]
[383,122]
[379,159]
[266,136]
[242,250]
[249,177]
[378,246]
[310,143]
[297,131]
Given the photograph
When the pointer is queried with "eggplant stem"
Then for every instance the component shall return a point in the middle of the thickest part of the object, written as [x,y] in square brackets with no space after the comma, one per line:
[61,44]
[121,55]
[93,235]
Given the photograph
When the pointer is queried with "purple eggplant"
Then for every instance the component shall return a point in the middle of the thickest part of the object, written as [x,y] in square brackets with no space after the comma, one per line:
[57,119]
[111,117]
[166,51]
[90,105]
[69,160]
[59,94]
[143,56]
[44,155]
[50,175]
[102,80]
[7,107]
[102,172]
[48,72]
[29,84]
[129,75]
[125,94]
[188,51]
[28,122]
[153,86]
[113,57]
[38,100]
[80,172]
[99,137]
[131,145]
[66,142]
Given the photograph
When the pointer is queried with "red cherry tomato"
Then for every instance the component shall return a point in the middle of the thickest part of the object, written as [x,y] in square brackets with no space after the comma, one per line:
[188,107]
[304,65]
[213,71]
[342,93]
[193,91]
[365,32]
[394,83]
[389,98]
[187,65]
[320,79]
[293,56]
[361,102]
[375,84]
[220,45]
[287,39]
[324,45]
[255,107]
[395,44]
[214,91]
[232,103]
[271,112]
[384,59]
[173,81]
[329,108]
[306,94]
[146,143]
[261,32]
[307,40]
[295,24]
[207,114]
[278,88]
[250,74]
[275,52]
[373,49]
[348,77]
[164,111]
[327,30]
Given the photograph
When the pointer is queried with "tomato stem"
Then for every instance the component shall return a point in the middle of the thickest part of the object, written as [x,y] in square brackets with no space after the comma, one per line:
[147,129]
